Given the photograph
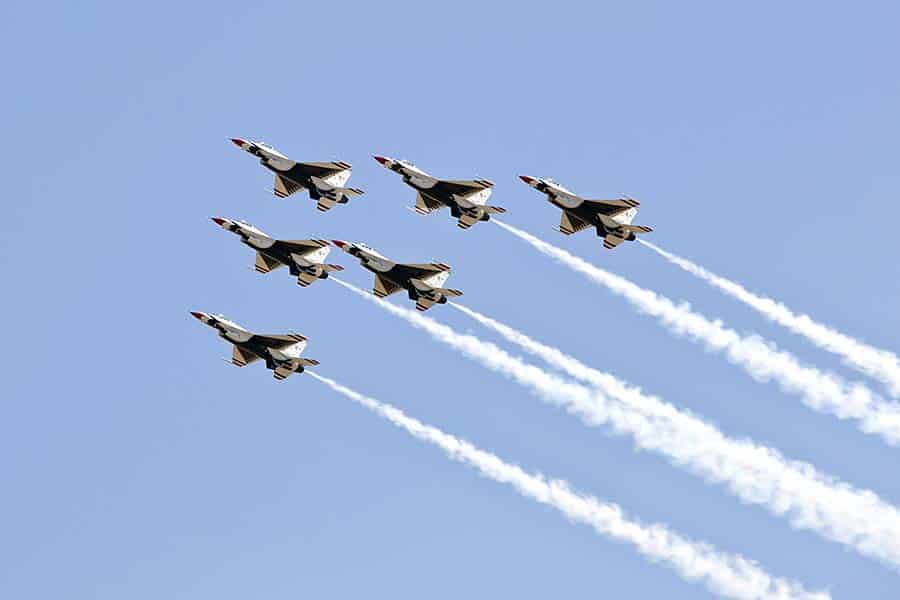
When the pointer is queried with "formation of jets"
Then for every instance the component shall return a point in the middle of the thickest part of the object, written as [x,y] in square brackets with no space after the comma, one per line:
[326,183]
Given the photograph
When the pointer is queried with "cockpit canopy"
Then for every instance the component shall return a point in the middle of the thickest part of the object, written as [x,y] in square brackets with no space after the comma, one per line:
[370,250]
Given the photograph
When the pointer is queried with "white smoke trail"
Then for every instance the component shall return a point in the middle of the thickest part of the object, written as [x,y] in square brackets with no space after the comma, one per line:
[874,362]
[728,575]
[821,391]
[756,474]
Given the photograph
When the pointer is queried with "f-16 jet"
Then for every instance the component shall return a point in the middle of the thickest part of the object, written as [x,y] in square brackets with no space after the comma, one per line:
[465,199]
[611,218]
[303,258]
[422,282]
[323,180]
[281,353]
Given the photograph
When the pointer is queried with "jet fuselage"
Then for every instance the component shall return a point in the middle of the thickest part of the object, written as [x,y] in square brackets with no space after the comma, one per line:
[300,173]
[460,199]
[297,258]
[250,343]
[606,220]
[401,275]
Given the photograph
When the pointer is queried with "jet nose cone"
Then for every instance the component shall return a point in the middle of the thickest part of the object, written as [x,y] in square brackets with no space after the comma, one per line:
[197,315]
[527,179]
[218,221]
[238,142]
[340,244]
[382,159]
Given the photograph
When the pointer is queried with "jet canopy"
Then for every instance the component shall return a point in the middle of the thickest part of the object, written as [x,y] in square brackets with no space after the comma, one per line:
[370,250]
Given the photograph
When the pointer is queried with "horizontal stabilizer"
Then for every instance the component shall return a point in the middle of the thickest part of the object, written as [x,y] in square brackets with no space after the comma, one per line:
[611,241]
[423,303]
[637,228]
[325,204]
[466,220]
[294,365]
[449,292]
[308,277]
[305,279]
[334,191]
[282,372]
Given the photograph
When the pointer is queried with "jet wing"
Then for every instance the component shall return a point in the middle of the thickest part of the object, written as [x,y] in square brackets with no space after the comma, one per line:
[610,207]
[300,246]
[241,358]
[425,205]
[463,187]
[324,169]
[418,271]
[384,287]
[569,224]
[264,264]
[284,187]
[277,341]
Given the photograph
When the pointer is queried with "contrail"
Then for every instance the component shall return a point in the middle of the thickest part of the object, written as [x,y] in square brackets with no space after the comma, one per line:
[728,575]
[756,474]
[822,391]
[874,362]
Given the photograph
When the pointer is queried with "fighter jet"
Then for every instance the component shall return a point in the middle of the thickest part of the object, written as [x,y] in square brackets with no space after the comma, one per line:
[324,180]
[465,199]
[611,218]
[302,257]
[421,281]
[280,352]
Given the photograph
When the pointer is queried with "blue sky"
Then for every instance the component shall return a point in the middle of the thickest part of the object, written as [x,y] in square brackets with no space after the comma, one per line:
[761,141]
